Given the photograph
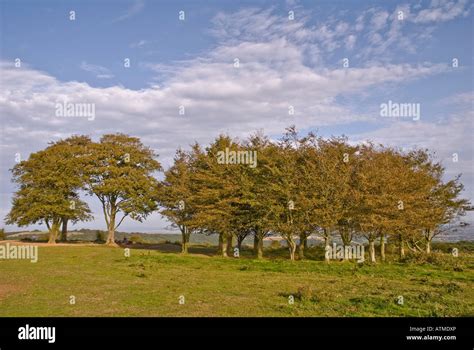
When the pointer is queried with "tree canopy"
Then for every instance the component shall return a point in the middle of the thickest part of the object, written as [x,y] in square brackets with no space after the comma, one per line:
[298,187]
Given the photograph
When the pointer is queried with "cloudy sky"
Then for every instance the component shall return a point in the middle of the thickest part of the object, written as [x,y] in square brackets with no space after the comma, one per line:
[236,67]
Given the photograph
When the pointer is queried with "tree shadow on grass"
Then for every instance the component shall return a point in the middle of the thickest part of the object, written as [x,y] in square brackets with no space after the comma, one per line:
[173,248]
[316,253]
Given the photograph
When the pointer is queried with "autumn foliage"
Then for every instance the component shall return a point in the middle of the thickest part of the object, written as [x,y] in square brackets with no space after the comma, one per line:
[297,187]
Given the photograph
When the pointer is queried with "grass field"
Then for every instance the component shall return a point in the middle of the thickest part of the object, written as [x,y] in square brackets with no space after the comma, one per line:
[151,281]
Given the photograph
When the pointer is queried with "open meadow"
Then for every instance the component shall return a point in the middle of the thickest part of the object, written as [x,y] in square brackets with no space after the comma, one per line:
[85,279]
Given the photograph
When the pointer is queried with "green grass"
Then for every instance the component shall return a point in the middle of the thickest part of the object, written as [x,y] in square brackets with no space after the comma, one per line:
[150,282]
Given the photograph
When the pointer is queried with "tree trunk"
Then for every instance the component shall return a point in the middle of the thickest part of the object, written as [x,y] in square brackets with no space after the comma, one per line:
[346,237]
[52,237]
[372,250]
[260,248]
[258,245]
[301,251]
[428,246]
[326,244]
[229,245]
[345,252]
[110,237]
[402,247]
[64,230]
[255,244]
[53,232]
[292,248]
[111,230]
[184,240]
[220,245]
[302,245]
[382,247]
[223,241]
[240,240]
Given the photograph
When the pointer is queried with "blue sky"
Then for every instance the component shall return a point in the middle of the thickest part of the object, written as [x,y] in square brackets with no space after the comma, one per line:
[282,63]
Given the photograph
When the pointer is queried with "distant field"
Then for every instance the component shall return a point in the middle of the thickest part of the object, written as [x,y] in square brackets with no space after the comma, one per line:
[92,235]
[87,235]
[151,282]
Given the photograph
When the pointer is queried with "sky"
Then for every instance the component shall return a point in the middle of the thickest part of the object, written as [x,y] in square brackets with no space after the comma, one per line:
[236,67]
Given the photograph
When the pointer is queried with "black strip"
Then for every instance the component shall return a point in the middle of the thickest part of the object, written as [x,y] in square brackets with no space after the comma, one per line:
[121,332]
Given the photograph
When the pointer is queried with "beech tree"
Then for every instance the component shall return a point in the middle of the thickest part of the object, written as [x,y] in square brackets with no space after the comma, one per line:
[326,182]
[373,194]
[284,193]
[445,206]
[216,193]
[120,173]
[342,159]
[175,193]
[255,205]
[440,202]
[74,150]
[48,182]
[295,187]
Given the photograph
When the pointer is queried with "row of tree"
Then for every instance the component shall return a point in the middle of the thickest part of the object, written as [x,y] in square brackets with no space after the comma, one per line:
[297,187]
[118,170]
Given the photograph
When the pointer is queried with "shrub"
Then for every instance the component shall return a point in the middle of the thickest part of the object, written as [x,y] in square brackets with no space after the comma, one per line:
[2,234]
[275,245]
[436,259]
[306,293]
[100,237]
[452,287]
[137,239]
[447,247]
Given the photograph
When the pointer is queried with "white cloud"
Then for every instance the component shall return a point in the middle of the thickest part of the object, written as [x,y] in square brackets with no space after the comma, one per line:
[139,44]
[350,42]
[359,25]
[388,35]
[441,11]
[448,136]
[273,74]
[463,99]
[379,20]
[133,10]
[99,71]
[217,96]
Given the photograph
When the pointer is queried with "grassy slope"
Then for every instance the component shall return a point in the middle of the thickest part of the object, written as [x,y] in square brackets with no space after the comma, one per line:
[149,283]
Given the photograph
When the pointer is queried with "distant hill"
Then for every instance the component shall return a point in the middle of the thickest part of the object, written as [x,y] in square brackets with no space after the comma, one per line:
[459,233]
